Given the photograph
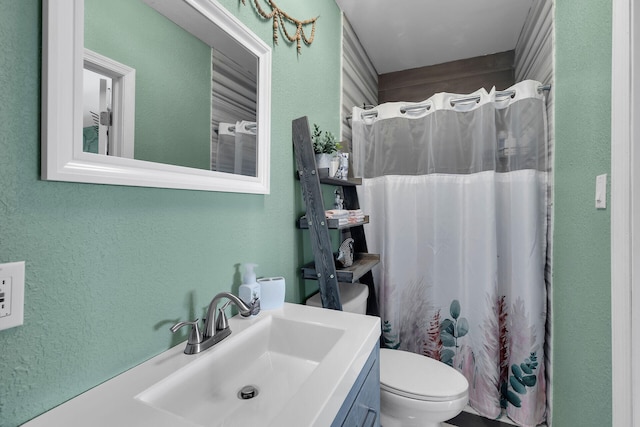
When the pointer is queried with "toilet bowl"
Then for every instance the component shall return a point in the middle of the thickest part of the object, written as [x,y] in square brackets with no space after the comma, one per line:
[415,391]
[418,391]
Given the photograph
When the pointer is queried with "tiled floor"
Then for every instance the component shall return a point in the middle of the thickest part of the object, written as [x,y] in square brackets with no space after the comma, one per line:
[467,419]
[470,420]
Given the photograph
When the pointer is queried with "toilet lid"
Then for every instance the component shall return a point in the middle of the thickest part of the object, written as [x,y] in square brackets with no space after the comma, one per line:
[419,377]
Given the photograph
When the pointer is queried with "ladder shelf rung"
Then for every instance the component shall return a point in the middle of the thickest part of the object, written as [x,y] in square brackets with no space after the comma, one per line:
[333,223]
[362,264]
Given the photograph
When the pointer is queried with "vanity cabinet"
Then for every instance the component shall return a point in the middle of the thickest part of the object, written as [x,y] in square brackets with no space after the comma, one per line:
[361,408]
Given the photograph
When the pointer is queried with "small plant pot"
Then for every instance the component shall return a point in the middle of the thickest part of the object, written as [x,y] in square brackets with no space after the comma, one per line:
[323,160]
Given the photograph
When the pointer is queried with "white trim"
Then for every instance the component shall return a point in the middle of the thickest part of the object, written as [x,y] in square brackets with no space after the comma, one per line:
[622,132]
[62,63]
[634,179]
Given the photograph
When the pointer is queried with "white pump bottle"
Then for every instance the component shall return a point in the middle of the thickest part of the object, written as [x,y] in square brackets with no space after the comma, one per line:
[249,291]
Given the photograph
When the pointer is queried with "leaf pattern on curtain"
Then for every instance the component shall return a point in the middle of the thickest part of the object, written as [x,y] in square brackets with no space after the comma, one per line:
[483,389]
[433,345]
[413,316]
[451,330]
[389,338]
[504,336]
[523,358]
[491,386]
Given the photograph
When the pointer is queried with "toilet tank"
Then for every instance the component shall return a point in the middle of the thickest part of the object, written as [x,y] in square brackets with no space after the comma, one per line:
[353,297]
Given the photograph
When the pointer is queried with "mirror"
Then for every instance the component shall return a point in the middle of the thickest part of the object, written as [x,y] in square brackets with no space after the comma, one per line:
[207,146]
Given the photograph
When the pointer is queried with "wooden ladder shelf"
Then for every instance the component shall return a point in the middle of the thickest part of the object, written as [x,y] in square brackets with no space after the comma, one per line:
[323,269]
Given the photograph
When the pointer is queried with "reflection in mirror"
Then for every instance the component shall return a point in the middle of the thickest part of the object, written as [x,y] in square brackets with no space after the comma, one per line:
[109,92]
[233,116]
[236,151]
[197,70]
[184,84]
[96,114]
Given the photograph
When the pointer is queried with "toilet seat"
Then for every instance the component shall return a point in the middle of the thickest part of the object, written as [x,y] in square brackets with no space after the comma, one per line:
[419,377]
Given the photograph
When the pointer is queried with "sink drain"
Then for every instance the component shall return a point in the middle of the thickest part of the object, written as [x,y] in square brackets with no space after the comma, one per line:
[248,392]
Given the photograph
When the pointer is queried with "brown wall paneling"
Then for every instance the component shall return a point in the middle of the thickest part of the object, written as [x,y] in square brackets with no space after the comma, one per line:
[462,76]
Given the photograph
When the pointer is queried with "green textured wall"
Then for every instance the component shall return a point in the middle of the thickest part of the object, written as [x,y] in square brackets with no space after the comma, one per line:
[108,268]
[173,79]
[99,300]
[581,262]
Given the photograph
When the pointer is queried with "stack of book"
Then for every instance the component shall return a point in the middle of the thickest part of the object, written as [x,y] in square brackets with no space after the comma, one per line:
[345,216]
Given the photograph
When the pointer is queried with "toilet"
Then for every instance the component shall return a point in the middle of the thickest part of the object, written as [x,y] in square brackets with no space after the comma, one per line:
[415,390]
[418,391]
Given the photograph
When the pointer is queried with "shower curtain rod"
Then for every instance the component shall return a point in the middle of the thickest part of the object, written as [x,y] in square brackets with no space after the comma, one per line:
[476,98]
[471,98]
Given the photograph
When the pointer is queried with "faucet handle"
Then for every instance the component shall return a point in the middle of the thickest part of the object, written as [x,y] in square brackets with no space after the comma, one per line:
[221,320]
[195,337]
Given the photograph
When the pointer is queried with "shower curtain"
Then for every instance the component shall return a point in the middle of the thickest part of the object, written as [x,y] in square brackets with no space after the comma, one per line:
[455,188]
[237,151]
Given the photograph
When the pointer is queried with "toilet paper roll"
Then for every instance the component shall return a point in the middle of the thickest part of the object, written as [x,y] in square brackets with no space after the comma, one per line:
[272,290]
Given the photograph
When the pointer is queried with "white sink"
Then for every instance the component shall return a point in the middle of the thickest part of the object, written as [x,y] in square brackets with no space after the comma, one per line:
[302,360]
[275,356]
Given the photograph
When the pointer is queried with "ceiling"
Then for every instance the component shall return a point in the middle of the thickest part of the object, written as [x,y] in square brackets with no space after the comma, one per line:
[404,34]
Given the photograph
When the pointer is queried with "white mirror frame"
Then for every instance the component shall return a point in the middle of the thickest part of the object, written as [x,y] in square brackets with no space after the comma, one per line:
[62,65]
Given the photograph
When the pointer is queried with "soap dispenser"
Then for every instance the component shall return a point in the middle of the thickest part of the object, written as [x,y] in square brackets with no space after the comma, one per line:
[250,289]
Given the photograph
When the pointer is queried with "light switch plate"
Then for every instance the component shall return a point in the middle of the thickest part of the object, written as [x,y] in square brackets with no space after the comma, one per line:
[601,191]
[11,294]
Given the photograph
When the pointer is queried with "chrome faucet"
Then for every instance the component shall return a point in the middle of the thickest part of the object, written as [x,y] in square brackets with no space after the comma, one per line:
[216,328]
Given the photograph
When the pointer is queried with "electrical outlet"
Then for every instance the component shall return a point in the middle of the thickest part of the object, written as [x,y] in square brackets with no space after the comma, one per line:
[11,294]
[5,297]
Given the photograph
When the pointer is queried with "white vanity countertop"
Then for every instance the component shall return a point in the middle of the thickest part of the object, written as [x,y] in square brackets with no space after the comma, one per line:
[115,402]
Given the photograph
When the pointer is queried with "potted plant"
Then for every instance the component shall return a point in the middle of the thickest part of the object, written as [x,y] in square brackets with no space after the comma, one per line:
[325,146]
